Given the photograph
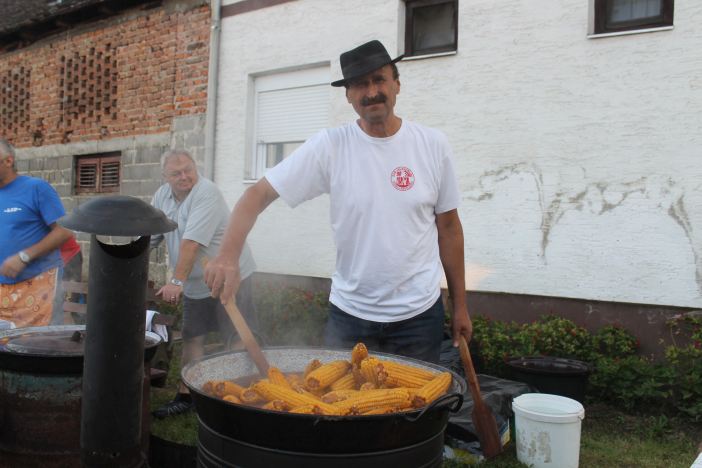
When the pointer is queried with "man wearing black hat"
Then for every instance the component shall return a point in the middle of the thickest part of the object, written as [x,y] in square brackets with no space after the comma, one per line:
[394,200]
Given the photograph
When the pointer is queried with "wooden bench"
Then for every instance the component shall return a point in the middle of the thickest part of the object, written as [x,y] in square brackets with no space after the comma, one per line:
[75,312]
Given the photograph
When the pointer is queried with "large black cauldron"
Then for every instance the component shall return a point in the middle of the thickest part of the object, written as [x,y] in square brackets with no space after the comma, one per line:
[41,379]
[236,435]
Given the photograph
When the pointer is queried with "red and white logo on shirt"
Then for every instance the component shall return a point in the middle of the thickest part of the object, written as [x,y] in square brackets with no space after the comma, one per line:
[402,178]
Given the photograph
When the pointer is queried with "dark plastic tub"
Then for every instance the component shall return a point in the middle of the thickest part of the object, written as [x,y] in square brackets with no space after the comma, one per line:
[556,376]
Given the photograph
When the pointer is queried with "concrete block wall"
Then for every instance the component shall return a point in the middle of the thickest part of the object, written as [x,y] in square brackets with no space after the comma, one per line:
[141,170]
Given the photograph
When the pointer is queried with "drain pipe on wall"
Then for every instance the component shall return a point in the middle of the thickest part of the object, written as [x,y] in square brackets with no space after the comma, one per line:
[212,83]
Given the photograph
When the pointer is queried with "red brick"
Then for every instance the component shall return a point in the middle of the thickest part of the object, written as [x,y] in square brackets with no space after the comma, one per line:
[152,77]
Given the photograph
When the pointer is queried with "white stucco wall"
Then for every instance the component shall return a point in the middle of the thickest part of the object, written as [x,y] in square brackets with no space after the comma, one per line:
[579,159]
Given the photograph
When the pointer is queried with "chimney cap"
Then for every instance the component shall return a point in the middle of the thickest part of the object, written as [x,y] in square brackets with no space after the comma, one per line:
[117,215]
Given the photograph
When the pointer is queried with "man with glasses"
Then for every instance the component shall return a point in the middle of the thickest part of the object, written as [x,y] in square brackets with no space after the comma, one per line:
[29,242]
[199,209]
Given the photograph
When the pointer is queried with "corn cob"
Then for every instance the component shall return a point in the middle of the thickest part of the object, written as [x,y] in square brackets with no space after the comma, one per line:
[367,386]
[231,399]
[358,353]
[316,394]
[277,377]
[228,388]
[397,377]
[219,388]
[209,387]
[299,388]
[357,375]
[405,369]
[275,392]
[338,395]
[295,379]
[346,382]
[373,371]
[250,396]
[323,376]
[374,399]
[432,390]
[313,364]
[277,405]
[305,409]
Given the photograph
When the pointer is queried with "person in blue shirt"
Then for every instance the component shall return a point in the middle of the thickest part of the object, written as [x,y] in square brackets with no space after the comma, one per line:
[29,242]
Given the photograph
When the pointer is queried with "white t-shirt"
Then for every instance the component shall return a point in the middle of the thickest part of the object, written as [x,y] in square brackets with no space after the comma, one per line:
[385,194]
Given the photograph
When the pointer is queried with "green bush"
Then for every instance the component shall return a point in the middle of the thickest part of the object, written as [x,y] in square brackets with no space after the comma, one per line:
[619,376]
[614,341]
[291,316]
[683,374]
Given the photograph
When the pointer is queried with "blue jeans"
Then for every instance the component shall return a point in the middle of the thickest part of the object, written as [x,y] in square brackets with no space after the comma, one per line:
[418,337]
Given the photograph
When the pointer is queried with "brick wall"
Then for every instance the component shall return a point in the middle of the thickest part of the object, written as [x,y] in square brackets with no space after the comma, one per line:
[135,84]
[124,76]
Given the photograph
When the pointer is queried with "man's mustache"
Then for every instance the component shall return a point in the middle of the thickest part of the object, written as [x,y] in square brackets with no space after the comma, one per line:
[379,99]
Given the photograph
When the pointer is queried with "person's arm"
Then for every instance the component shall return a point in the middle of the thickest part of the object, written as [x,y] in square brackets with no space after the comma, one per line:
[222,272]
[13,265]
[187,253]
[451,253]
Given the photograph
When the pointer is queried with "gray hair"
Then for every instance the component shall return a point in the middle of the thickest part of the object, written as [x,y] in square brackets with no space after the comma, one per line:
[6,151]
[173,154]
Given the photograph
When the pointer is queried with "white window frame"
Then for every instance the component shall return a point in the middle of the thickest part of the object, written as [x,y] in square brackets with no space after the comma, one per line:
[315,77]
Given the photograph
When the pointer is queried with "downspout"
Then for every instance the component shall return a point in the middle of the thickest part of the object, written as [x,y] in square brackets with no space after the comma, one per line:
[212,83]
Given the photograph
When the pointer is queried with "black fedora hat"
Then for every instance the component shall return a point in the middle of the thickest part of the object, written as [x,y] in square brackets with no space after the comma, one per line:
[363,59]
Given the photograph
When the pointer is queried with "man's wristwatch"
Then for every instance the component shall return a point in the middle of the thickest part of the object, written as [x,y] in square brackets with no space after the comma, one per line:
[177,282]
[24,256]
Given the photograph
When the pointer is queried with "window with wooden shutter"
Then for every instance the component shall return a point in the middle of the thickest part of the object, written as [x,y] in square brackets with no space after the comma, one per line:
[98,173]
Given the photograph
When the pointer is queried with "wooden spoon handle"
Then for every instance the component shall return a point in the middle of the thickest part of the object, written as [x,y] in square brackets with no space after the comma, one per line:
[247,337]
[470,372]
[244,332]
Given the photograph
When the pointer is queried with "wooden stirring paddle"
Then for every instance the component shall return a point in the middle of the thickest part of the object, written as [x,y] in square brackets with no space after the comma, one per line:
[483,419]
[244,332]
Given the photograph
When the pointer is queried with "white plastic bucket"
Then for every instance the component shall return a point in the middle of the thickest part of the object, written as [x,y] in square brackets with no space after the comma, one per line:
[547,430]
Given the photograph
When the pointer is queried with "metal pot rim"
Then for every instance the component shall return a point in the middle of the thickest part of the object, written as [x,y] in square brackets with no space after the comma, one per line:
[155,339]
[194,382]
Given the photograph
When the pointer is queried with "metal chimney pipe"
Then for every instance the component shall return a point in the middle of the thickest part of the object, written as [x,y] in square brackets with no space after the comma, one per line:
[114,344]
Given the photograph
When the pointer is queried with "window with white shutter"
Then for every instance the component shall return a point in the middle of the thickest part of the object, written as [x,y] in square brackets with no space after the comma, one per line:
[98,173]
[289,108]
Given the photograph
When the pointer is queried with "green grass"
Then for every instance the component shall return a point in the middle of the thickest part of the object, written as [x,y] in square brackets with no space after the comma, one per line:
[614,438]
[610,437]
[181,429]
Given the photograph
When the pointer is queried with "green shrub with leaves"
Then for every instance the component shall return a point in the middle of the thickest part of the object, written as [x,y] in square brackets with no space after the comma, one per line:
[494,341]
[629,382]
[613,341]
[619,376]
[291,316]
[684,371]
[555,336]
